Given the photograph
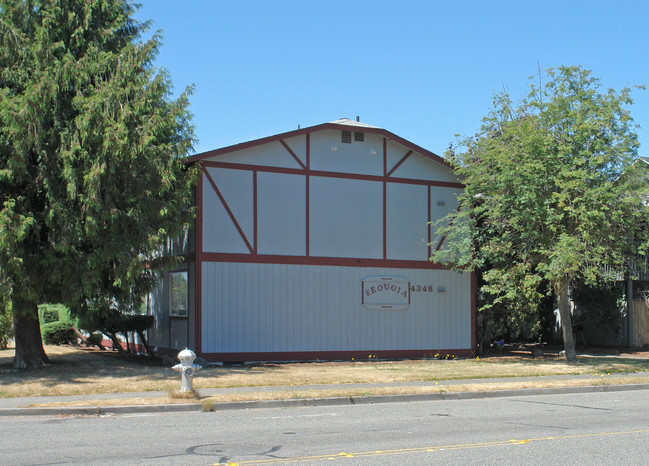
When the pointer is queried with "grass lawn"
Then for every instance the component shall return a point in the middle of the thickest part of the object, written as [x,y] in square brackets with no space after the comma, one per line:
[76,371]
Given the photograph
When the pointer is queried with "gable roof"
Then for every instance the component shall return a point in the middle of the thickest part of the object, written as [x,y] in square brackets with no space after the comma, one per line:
[344,124]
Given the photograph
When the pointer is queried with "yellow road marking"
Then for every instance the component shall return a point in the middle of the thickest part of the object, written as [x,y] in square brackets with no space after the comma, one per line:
[429,449]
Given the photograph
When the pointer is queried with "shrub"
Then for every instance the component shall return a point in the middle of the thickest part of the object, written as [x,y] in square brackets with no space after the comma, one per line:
[58,333]
[6,318]
[6,325]
[49,313]
[95,339]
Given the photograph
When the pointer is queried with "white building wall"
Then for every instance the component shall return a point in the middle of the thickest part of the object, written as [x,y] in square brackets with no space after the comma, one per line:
[250,307]
[281,210]
[418,166]
[346,218]
[273,154]
[219,232]
[329,153]
[407,228]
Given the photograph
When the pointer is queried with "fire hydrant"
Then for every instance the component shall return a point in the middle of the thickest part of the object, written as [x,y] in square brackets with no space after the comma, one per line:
[186,369]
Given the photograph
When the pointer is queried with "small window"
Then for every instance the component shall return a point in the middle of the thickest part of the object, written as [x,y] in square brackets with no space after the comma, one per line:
[346,137]
[359,137]
[178,294]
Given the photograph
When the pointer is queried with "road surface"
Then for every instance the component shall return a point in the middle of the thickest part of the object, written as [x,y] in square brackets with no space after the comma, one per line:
[576,429]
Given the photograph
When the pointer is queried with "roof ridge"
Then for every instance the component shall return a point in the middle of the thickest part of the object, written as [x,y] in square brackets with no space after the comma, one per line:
[350,122]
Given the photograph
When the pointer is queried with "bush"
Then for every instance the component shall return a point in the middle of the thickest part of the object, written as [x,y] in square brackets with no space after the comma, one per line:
[58,333]
[6,325]
[49,313]
[95,339]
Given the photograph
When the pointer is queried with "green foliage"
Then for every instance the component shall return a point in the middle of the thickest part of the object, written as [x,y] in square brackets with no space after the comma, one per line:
[6,321]
[116,322]
[54,312]
[94,339]
[48,315]
[92,181]
[58,333]
[552,193]
[600,304]
[6,325]
[113,322]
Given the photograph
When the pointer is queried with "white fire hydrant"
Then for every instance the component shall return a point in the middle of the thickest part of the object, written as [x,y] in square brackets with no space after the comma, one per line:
[186,369]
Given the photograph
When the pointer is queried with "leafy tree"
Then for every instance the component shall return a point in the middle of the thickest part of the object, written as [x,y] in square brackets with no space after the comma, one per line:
[91,179]
[551,190]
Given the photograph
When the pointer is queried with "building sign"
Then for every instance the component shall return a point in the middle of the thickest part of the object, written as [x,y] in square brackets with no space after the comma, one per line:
[382,292]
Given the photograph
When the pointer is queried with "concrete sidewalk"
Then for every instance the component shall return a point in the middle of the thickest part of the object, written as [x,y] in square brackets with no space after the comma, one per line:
[24,406]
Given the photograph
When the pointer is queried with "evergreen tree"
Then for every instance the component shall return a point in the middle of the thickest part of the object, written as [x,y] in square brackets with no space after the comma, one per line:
[91,177]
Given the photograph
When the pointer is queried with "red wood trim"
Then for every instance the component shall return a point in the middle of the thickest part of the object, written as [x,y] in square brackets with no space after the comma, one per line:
[290,151]
[198,276]
[312,260]
[328,174]
[403,159]
[337,355]
[259,168]
[227,209]
[254,210]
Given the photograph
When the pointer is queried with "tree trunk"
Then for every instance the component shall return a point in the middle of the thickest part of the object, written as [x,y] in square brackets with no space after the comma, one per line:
[561,290]
[27,334]
[144,341]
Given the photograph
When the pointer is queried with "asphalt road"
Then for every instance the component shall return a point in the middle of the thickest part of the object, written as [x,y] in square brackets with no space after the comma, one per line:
[576,429]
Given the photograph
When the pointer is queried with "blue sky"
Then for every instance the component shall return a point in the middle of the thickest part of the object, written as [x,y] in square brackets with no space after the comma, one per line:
[425,70]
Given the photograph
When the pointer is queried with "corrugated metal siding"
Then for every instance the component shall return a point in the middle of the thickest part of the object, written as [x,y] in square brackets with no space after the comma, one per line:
[283,308]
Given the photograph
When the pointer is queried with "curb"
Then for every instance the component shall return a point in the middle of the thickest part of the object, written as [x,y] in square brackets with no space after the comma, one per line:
[311,402]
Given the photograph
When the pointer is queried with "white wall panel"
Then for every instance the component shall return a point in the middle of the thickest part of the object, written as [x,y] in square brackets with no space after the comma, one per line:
[298,146]
[420,167]
[346,218]
[394,153]
[273,154]
[236,188]
[281,214]
[442,202]
[219,232]
[407,221]
[286,308]
[328,153]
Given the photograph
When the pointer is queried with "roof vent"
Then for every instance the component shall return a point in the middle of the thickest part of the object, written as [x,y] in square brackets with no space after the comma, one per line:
[346,137]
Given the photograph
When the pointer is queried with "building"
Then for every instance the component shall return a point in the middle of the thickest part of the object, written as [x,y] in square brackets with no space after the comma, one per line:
[314,244]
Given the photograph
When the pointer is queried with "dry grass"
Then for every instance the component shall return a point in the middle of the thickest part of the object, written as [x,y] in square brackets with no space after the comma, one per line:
[343,392]
[75,371]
